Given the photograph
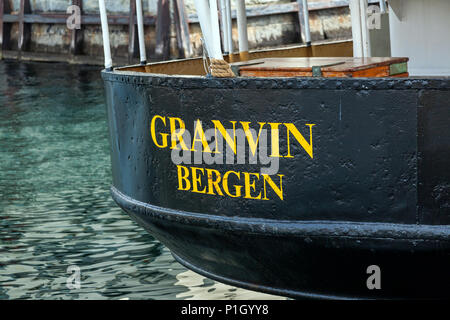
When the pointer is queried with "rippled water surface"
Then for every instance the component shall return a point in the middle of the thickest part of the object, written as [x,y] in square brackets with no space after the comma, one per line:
[55,207]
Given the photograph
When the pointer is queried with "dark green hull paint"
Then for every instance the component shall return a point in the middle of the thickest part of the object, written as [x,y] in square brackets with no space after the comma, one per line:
[376,192]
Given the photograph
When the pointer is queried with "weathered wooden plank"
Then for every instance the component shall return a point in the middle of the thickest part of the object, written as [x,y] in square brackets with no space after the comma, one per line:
[6,32]
[93,19]
[60,57]
[5,29]
[61,18]
[327,67]
[178,31]
[376,72]
[182,29]
[254,11]
[77,34]
[132,32]
[301,21]
[381,71]
[1,28]
[400,75]
[274,73]
[21,25]
[162,49]
[192,66]
[282,8]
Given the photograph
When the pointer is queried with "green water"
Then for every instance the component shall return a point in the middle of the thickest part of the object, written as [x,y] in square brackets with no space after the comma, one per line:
[55,207]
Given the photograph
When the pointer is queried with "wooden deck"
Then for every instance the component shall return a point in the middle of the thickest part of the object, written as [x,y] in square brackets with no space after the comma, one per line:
[323,67]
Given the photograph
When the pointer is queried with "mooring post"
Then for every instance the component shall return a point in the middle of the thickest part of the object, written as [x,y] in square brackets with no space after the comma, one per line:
[105,34]
[215,30]
[354,6]
[162,49]
[223,26]
[306,22]
[182,29]
[141,36]
[24,29]
[202,8]
[241,18]
[5,28]
[77,35]
[132,32]
[303,17]
[364,30]
[2,3]
[229,26]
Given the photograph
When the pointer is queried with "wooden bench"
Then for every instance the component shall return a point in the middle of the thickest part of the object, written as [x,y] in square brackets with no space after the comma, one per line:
[323,67]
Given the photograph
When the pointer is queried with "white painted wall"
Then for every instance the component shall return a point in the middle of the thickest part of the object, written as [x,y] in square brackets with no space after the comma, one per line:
[420,30]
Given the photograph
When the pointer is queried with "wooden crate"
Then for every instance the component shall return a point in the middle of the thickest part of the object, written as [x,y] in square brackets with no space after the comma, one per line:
[323,67]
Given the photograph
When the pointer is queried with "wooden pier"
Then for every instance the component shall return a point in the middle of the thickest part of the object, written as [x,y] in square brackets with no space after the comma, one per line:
[25,18]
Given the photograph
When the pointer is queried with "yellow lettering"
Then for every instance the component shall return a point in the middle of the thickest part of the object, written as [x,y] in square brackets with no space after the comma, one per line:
[199,131]
[278,190]
[214,184]
[252,143]
[275,134]
[225,184]
[177,135]
[249,186]
[307,146]
[184,177]
[231,141]
[153,132]
[196,180]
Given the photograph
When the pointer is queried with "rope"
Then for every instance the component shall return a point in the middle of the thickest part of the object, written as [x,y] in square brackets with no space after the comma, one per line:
[220,69]
[216,67]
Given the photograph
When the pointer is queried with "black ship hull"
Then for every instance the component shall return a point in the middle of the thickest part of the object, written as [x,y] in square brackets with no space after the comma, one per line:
[363,179]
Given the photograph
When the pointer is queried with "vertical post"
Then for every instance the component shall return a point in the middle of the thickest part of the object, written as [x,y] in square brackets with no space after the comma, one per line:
[382,6]
[229,25]
[301,21]
[223,26]
[209,22]
[162,49]
[215,30]
[204,18]
[77,35]
[2,4]
[242,30]
[365,37]
[131,32]
[5,28]
[24,29]
[21,25]
[140,24]
[306,22]
[182,29]
[355,14]
[105,34]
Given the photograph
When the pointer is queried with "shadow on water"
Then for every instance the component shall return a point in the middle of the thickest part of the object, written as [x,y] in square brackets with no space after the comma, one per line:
[55,207]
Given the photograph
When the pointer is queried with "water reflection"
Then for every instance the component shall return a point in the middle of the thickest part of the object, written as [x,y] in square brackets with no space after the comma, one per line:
[55,207]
